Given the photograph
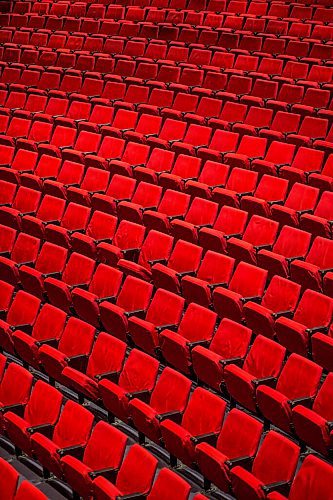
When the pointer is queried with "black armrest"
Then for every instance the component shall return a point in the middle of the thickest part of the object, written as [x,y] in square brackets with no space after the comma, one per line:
[137,312]
[134,496]
[131,251]
[274,202]
[4,254]
[246,460]
[143,209]
[305,401]
[157,261]
[283,313]
[78,285]
[72,231]
[54,222]
[210,438]
[291,259]
[108,473]
[230,361]
[301,212]
[150,135]
[144,394]
[29,263]
[76,450]
[172,217]
[197,342]
[74,184]
[186,273]
[112,376]
[316,329]
[102,299]
[164,327]
[246,193]
[329,425]
[50,342]
[52,275]
[25,328]
[266,380]
[199,226]
[261,247]
[280,485]
[78,362]
[235,235]
[324,271]
[22,214]
[45,429]
[255,298]
[212,286]
[15,408]
[168,414]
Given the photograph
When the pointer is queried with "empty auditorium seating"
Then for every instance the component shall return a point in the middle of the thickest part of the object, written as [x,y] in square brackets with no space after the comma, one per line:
[166,248]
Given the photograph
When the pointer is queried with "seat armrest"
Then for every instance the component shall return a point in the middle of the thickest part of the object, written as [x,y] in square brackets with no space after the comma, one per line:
[56,275]
[15,408]
[164,327]
[137,312]
[28,263]
[186,273]
[271,381]
[111,298]
[210,438]
[246,193]
[108,473]
[235,235]
[143,209]
[131,253]
[230,361]
[50,342]
[84,286]
[25,328]
[329,425]
[172,217]
[306,401]
[242,461]
[76,451]
[278,486]
[198,342]
[301,212]
[199,226]
[45,429]
[173,415]
[255,298]
[324,271]
[133,496]
[262,247]
[157,261]
[112,376]
[78,362]
[54,222]
[316,329]
[212,286]
[143,395]
[288,314]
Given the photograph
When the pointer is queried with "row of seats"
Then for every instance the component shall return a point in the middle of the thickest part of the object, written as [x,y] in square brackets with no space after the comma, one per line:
[312,51]
[276,9]
[228,38]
